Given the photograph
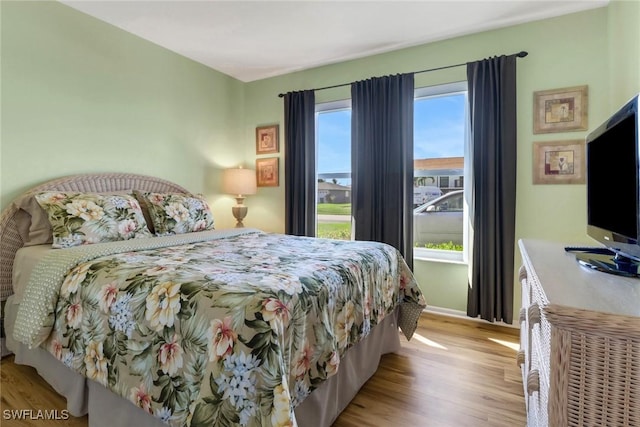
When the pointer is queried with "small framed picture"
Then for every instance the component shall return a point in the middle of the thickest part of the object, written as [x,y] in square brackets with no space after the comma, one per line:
[267,172]
[559,162]
[267,139]
[560,110]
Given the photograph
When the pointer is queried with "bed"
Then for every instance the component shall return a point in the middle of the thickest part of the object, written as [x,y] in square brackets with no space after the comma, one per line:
[205,327]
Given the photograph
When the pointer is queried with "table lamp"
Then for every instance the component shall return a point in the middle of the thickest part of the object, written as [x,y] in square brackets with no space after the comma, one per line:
[240,182]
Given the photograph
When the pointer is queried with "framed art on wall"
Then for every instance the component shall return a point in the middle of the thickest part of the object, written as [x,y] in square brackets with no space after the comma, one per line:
[267,172]
[267,139]
[559,162]
[560,110]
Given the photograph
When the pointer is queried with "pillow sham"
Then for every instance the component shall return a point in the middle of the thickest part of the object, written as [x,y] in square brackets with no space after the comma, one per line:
[32,222]
[84,218]
[140,196]
[173,213]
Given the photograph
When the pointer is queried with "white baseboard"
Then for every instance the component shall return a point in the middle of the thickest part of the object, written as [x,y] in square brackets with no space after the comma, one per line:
[462,315]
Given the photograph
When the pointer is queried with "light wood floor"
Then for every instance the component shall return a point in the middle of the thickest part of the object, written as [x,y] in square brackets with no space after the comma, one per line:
[453,373]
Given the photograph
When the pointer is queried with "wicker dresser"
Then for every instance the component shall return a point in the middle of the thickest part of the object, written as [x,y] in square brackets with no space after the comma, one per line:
[579,340]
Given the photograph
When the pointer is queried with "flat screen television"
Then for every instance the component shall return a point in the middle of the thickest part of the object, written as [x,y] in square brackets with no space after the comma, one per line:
[613,193]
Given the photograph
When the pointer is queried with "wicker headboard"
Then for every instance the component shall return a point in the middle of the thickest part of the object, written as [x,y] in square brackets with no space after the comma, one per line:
[10,239]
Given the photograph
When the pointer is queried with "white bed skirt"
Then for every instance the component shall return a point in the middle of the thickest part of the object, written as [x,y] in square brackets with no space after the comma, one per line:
[107,409]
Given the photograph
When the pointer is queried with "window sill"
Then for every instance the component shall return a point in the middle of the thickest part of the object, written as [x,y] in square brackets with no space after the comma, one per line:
[438,255]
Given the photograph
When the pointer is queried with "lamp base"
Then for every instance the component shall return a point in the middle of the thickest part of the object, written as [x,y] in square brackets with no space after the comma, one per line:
[239,212]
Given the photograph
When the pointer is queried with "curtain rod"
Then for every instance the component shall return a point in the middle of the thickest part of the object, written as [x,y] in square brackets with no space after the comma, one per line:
[520,54]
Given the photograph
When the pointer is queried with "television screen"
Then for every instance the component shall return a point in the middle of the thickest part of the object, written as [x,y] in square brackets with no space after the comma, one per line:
[612,180]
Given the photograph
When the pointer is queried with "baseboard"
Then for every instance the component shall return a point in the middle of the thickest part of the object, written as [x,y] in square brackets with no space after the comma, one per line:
[463,316]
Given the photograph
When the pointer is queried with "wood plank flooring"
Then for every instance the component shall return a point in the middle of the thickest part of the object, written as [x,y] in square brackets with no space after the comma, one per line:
[454,372]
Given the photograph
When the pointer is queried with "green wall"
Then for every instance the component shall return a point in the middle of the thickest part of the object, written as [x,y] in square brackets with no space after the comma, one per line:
[79,95]
[624,51]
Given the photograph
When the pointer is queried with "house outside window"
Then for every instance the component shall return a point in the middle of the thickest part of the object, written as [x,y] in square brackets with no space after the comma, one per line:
[332,192]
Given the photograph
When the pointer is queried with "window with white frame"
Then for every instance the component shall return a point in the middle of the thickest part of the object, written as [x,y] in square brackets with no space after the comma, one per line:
[440,215]
[333,157]
[440,141]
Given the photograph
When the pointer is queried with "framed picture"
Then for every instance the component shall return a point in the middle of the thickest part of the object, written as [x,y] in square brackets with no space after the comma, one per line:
[267,172]
[560,110]
[559,162]
[267,139]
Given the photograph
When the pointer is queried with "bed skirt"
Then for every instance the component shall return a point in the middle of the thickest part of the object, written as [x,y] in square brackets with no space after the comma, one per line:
[106,409]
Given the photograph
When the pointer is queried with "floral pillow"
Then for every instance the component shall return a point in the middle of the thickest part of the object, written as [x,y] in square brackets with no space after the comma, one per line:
[178,213]
[84,218]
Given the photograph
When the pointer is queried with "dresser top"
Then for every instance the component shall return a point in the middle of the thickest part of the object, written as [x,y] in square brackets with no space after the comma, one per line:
[567,283]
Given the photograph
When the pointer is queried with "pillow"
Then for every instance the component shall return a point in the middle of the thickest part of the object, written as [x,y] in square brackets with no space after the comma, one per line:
[178,213]
[145,209]
[32,222]
[84,218]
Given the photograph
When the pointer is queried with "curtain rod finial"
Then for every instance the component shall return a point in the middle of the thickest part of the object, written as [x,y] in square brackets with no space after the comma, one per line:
[522,54]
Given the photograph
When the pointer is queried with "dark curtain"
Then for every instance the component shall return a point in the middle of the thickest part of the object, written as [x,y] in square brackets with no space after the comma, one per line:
[300,163]
[492,208]
[382,161]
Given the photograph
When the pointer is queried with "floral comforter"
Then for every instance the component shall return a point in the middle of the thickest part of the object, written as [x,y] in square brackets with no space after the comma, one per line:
[232,330]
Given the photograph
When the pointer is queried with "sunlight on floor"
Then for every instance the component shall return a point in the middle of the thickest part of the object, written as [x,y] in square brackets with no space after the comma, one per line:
[428,342]
[512,345]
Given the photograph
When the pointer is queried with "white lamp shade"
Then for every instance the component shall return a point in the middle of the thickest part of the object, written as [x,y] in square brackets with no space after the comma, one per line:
[239,181]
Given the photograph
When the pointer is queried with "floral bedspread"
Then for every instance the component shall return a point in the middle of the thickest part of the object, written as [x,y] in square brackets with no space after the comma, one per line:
[229,331]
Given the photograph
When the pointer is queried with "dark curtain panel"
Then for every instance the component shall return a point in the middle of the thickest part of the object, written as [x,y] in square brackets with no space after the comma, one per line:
[492,102]
[382,161]
[300,163]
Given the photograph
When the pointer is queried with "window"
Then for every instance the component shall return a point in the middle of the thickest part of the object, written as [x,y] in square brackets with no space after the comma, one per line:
[439,169]
[333,136]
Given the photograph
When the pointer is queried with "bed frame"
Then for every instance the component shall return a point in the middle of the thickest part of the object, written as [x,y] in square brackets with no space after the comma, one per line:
[84,396]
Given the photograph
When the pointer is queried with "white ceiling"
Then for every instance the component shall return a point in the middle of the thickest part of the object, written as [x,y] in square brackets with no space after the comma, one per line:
[252,40]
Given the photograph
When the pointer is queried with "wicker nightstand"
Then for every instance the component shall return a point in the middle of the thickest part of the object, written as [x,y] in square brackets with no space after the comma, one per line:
[580,341]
